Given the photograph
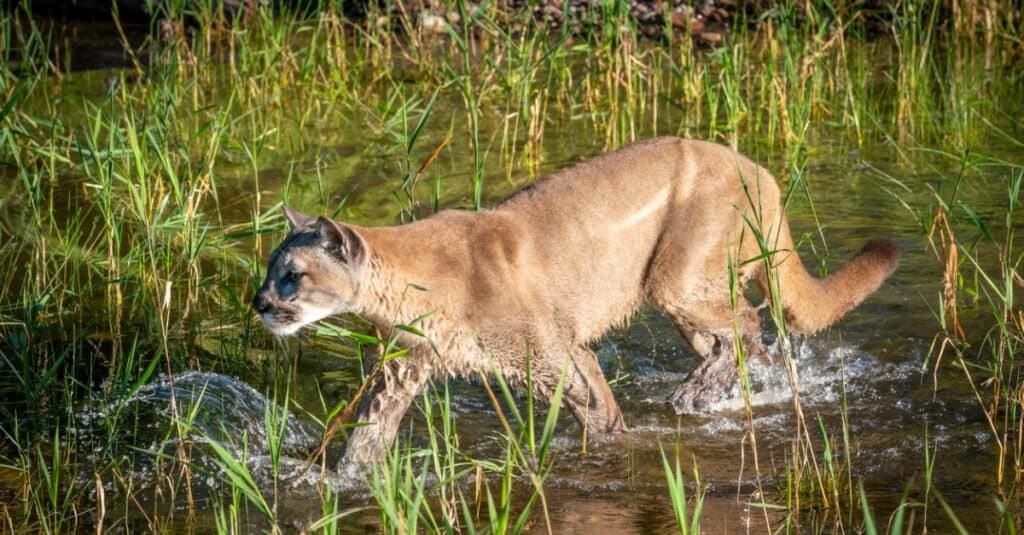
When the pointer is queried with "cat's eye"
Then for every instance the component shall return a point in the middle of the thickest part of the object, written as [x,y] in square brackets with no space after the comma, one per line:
[293,276]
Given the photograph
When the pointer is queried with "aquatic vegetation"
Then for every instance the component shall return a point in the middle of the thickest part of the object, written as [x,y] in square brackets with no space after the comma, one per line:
[137,205]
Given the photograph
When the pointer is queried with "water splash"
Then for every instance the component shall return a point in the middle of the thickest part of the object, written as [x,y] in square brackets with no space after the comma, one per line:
[825,374]
[144,430]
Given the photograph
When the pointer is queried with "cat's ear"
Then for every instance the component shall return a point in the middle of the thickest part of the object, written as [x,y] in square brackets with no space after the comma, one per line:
[297,221]
[340,240]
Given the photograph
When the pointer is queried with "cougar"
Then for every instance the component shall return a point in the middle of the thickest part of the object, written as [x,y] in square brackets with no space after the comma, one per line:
[683,225]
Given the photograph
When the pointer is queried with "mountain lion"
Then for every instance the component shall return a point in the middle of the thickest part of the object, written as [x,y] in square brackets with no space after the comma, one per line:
[547,271]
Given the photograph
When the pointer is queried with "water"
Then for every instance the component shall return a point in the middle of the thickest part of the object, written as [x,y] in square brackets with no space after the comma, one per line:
[872,366]
[617,485]
[148,429]
[870,371]
[213,406]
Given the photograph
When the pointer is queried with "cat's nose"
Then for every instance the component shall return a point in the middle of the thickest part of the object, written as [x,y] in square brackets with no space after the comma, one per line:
[261,302]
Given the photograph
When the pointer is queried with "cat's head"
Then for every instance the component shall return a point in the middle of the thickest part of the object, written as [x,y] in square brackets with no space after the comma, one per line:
[313,274]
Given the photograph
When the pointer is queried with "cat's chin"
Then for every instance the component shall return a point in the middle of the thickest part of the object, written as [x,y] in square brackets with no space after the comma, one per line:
[308,317]
[281,329]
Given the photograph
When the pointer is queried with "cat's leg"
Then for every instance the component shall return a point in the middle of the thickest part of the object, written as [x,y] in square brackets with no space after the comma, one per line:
[585,389]
[384,404]
[696,296]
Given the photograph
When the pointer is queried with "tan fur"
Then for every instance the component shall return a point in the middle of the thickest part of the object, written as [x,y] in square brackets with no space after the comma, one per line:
[553,267]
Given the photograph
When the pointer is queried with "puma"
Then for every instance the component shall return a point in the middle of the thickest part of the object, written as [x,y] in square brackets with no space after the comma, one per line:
[550,269]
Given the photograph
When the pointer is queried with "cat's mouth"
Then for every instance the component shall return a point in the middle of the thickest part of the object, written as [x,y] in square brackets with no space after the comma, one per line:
[280,323]
[286,322]
[278,327]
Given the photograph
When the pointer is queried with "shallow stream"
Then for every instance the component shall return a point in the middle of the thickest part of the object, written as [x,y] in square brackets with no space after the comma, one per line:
[871,377]
[872,371]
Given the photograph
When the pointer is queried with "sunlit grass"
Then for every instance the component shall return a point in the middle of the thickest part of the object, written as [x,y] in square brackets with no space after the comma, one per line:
[139,204]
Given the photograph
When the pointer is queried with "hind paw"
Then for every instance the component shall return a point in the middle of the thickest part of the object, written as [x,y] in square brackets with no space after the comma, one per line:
[713,381]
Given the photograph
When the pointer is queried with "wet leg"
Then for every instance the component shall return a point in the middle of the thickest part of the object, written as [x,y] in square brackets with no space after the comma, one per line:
[709,328]
[585,390]
[385,403]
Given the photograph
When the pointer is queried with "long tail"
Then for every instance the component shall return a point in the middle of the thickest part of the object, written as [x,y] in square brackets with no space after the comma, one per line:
[811,304]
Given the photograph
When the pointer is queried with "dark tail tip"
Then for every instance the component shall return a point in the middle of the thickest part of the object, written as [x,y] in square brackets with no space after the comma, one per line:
[884,252]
